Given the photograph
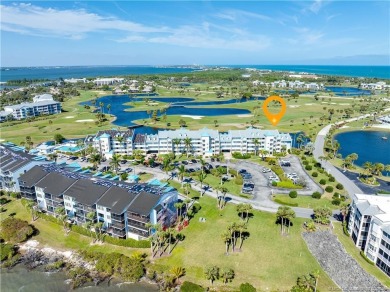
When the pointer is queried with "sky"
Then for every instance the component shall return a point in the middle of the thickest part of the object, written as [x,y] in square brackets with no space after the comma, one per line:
[59,33]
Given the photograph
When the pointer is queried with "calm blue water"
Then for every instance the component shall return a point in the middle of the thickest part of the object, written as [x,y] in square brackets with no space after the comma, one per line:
[353,71]
[369,146]
[124,118]
[347,91]
[53,73]
[95,71]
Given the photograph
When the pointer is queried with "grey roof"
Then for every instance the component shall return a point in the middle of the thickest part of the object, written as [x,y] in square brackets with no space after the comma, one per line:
[55,183]
[12,160]
[184,133]
[86,192]
[140,139]
[144,203]
[31,177]
[116,199]
[31,104]
[366,208]
[115,133]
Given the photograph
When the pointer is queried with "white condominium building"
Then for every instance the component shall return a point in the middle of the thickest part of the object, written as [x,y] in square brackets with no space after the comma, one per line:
[369,227]
[199,142]
[41,105]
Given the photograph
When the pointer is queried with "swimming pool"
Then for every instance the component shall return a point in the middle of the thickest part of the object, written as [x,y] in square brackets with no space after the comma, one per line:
[69,149]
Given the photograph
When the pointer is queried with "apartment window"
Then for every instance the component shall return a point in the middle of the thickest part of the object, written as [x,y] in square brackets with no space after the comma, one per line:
[68,205]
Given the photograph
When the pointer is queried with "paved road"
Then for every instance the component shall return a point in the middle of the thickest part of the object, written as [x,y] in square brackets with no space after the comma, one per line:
[318,152]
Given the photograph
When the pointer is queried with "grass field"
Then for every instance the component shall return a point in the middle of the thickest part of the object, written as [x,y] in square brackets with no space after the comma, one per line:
[268,260]
[305,201]
[355,253]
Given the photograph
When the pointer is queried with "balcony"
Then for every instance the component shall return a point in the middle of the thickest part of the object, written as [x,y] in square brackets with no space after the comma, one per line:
[117,233]
[139,232]
[137,217]
[136,224]
[118,225]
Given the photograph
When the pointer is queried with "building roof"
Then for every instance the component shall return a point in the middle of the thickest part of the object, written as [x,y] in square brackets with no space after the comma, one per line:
[86,192]
[55,183]
[30,104]
[140,139]
[377,206]
[33,176]
[11,160]
[116,133]
[116,199]
[144,203]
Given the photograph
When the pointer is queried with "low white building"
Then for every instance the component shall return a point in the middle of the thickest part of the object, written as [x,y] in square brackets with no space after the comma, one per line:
[108,81]
[369,227]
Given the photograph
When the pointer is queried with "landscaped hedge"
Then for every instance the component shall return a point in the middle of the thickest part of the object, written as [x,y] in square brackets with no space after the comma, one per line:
[314,174]
[339,186]
[293,194]
[285,203]
[129,242]
[288,185]
[366,258]
[332,179]
[308,167]
[239,155]
[322,181]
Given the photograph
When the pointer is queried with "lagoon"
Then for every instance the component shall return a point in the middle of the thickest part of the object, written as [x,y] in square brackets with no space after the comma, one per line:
[369,146]
[347,91]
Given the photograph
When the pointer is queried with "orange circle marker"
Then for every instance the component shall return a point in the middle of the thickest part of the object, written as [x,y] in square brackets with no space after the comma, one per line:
[274,118]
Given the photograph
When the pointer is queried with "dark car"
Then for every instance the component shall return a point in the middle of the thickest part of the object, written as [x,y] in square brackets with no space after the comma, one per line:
[194,161]
[212,159]
[129,169]
[124,161]
[185,162]
[191,170]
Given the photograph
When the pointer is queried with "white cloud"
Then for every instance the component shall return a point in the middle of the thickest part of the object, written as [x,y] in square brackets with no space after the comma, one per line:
[239,15]
[74,24]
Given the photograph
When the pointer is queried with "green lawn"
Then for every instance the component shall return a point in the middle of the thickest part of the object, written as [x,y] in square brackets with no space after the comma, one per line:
[268,260]
[355,253]
[305,201]
[53,235]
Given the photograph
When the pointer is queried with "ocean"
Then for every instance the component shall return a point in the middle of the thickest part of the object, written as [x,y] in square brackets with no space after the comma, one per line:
[52,73]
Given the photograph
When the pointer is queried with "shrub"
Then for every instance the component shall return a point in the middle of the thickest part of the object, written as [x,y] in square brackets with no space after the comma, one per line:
[287,185]
[239,155]
[366,258]
[3,201]
[271,161]
[336,201]
[15,230]
[329,189]
[308,167]
[303,157]
[7,251]
[15,195]
[345,229]
[314,174]
[246,287]
[274,183]
[321,170]
[322,181]
[339,186]
[331,179]
[129,242]
[305,162]
[293,194]
[316,195]
[191,287]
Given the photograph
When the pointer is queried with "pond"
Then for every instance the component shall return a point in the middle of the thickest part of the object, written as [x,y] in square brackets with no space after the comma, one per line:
[347,91]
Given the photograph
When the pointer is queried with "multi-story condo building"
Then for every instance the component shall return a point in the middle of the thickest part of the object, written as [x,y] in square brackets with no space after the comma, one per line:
[199,142]
[14,162]
[41,105]
[124,209]
[369,227]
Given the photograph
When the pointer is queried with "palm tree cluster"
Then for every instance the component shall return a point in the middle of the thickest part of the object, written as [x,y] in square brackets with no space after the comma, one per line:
[162,240]
[221,199]
[350,159]
[307,283]
[322,214]
[234,232]
[284,217]
[244,210]
[213,273]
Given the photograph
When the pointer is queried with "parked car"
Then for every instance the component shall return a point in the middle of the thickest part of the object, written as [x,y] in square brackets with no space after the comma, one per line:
[212,159]
[194,161]
[129,169]
[123,161]
[185,162]
[242,171]
[265,170]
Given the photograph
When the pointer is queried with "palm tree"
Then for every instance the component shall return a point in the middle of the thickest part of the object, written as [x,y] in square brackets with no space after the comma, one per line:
[182,171]
[316,275]
[120,139]
[177,272]
[368,167]
[232,228]
[240,210]
[247,209]
[101,104]
[202,164]
[188,144]
[344,209]
[226,237]
[114,163]
[387,169]
[170,233]
[227,275]
[353,157]
[201,178]
[109,108]
[176,142]
[335,147]
[256,142]
[95,159]
[281,215]
[32,205]
[212,273]
[178,206]
[241,227]
[263,152]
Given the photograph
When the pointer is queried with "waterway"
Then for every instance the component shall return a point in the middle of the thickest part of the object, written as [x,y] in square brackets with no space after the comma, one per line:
[347,91]
[369,145]
[20,279]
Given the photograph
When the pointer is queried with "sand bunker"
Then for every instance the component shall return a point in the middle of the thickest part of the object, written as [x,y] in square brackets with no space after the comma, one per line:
[245,116]
[192,117]
[293,106]
[82,121]
[69,117]
[308,104]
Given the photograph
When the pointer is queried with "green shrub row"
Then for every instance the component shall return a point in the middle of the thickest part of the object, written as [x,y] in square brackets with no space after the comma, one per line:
[239,155]
[288,185]
[366,258]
